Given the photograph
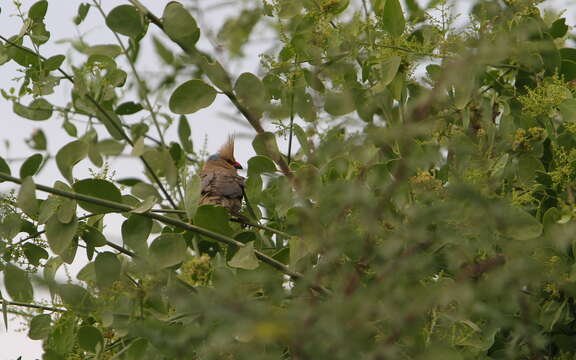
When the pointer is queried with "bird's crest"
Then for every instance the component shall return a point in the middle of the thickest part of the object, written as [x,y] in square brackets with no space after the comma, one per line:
[226,152]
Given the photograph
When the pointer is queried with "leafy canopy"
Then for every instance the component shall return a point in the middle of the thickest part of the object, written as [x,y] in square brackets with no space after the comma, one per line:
[422,208]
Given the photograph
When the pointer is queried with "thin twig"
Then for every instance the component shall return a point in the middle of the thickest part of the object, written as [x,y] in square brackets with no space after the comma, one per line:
[33,306]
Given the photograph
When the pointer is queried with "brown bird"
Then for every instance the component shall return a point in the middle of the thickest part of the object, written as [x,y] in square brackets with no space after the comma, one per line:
[221,184]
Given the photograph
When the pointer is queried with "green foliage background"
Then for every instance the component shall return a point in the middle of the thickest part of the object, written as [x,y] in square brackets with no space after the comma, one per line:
[411,217]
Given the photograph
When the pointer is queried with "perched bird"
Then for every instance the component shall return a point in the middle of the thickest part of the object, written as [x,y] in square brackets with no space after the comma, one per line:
[221,184]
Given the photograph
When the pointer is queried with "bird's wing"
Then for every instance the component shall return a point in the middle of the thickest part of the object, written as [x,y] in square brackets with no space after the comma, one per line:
[220,184]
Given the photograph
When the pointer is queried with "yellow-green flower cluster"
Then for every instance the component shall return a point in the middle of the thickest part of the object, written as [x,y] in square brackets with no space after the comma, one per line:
[523,138]
[426,181]
[544,99]
[197,270]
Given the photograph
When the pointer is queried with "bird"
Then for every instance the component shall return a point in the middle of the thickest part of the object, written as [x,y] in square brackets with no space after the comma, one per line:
[221,184]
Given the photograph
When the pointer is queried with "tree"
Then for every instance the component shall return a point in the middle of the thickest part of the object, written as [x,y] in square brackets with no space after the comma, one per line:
[419,216]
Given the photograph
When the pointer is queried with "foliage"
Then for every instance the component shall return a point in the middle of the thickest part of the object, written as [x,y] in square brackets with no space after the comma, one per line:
[424,207]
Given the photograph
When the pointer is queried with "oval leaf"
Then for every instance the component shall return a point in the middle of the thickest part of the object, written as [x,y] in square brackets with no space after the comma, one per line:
[135,232]
[76,298]
[90,339]
[27,198]
[97,188]
[39,327]
[245,258]
[393,18]
[31,166]
[60,235]
[168,250]
[38,110]
[18,284]
[180,26]
[191,96]
[107,268]
[69,155]
[126,20]
[213,218]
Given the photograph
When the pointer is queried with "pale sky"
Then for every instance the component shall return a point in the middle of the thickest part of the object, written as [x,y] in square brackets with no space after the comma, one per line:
[207,124]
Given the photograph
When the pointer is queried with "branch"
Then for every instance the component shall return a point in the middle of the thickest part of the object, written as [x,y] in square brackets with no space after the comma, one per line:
[33,306]
[240,221]
[169,221]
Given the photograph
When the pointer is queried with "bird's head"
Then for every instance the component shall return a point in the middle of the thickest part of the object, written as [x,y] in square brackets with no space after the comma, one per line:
[226,154]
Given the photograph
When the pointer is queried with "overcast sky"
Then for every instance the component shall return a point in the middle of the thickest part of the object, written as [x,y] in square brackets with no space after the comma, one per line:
[207,125]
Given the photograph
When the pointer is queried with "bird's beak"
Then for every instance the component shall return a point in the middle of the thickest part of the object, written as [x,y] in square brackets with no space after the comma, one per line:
[237,165]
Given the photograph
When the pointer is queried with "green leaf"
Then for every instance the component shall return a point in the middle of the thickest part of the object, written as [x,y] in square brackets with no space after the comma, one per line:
[251,93]
[180,26]
[100,189]
[168,250]
[568,110]
[22,56]
[31,165]
[112,123]
[67,207]
[135,232]
[54,62]
[392,18]
[27,198]
[50,269]
[559,28]
[299,248]
[568,63]
[10,226]
[18,284]
[145,206]
[38,10]
[38,110]
[260,164]
[90,339]
[215,73]
[389,69]
[184,133]
[60,235]
[81,13]
[126,20]
[93,236]
[128,108]
[76,298]
[109,50]
[338,104]
[39,327]
[191,96]
[245,258]
[313,81]
[110,147]
[520,225]
[34,253]
[213,218]
[265,144]
[192,195]
[37,141]
[69,155]
[165,54]
[4,168]
[137,349]
[107,267]
[143,191]
[87,273]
